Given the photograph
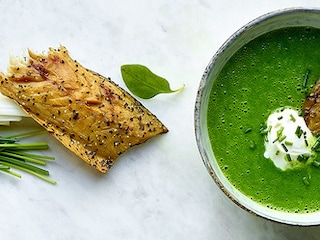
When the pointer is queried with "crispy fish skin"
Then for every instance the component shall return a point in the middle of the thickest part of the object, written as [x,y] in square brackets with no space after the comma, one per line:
[311,109]
[86,112]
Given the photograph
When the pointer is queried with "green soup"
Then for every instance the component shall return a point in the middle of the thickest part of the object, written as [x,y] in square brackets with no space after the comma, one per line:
[265,74]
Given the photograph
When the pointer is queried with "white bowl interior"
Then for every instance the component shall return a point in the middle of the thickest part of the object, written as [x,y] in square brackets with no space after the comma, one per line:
[259,26]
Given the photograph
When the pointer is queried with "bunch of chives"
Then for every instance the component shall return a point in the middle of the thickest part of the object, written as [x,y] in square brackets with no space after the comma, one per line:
[15,155]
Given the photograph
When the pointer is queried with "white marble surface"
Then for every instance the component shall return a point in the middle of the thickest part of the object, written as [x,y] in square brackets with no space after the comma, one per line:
[159,190]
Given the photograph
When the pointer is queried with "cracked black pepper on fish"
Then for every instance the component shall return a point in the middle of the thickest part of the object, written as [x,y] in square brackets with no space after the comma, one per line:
[86,112]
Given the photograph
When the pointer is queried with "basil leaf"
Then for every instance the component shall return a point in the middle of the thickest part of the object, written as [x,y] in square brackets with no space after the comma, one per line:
[143,83]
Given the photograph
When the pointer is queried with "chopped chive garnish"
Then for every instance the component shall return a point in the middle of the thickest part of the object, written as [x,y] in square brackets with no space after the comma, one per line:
[283,137]
[288,143]
[252,145]
[305,79]
[279,132]
[292,118]
[316,146]
[305,181]
[302,158]
[265,130]
[279,118]
[248,130]
[298,131]
[277,153]
[288,157]
[316,163]
[304,134]
[284,147]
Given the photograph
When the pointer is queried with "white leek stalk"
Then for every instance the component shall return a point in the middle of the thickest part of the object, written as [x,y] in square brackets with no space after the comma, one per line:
[10,111]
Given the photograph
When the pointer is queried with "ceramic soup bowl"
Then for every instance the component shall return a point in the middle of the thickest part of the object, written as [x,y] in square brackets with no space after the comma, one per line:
[293,17]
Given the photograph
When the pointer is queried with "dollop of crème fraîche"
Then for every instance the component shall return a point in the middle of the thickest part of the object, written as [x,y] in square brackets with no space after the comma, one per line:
[289,141]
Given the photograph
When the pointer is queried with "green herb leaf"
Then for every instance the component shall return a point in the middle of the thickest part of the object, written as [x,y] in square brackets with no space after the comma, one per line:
[143,83]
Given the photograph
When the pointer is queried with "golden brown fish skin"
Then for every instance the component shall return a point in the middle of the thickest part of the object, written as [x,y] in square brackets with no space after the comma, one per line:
[311,109]
[86,112]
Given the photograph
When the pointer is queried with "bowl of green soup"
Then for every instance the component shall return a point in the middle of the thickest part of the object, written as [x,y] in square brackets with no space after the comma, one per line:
[250,117]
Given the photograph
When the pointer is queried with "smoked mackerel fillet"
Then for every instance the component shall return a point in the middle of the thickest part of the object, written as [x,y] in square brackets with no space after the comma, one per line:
[311,109]
[86,112]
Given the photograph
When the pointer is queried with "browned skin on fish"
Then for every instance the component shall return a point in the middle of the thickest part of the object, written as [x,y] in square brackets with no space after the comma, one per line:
[311,109]
[86,112]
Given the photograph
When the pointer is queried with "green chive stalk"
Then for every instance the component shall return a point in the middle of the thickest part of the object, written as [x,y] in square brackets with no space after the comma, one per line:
[15,155]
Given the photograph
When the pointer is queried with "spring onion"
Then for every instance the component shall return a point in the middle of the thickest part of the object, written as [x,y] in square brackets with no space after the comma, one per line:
[13,155]
[305,79]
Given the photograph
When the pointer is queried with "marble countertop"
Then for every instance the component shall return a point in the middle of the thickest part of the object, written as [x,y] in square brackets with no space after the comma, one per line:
[158,190]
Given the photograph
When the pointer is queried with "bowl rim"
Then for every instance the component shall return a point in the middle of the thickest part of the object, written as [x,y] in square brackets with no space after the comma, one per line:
[199,97]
